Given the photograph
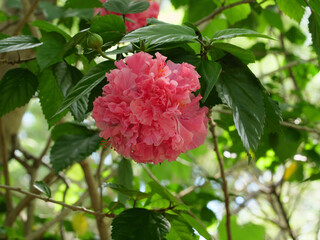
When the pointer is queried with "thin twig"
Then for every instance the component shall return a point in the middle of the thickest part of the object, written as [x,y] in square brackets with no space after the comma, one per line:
[283,213]
[212,126]
[26,17]
[5,166]
[46,199]
[220,10]
[285,124]
[150,174]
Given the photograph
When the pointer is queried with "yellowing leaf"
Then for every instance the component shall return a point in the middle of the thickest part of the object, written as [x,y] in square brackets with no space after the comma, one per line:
[80,224]
[290,171]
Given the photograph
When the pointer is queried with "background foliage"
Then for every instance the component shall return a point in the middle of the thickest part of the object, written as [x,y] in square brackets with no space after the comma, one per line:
[258,61]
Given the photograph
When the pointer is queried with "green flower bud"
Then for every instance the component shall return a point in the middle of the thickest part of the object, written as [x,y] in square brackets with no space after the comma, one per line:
[94,41]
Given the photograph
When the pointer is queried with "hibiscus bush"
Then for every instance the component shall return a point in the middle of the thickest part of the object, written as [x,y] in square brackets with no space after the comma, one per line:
[118,121]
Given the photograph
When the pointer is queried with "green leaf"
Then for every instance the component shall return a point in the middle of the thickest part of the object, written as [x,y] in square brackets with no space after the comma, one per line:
[291,8]
[17,43]
[250,231]
[118,6]
[180,229]
[67,76]
[50,11]
[273,18]
[83,13]
[50,96]
[179,3]
[16,88]
[93,77]
[139,223]
[314,28]
[43,187]
[76,39]
[162,191]
[82,4]
[125,176]
[161,33]
[237,32]
[236,13]
[246,56]
[72,148]
[137,7]
[49,27]
[295,35]
[209,72]
[70,128]
[110,27]
[134,194]
[196,225]
[51,50]
[241,91]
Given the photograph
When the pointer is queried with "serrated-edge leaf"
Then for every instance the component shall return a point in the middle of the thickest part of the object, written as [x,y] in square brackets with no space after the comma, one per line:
[161,33]
[137,7]
[76,39]
[43,187]
[139,223]
[237,32]
[17,43]
[118,6]
[16,89]
[241,91]
[69,149]
[93,77]
[70,128]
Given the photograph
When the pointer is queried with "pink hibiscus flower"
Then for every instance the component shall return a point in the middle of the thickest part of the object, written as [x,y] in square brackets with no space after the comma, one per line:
[139,19]
[148,111]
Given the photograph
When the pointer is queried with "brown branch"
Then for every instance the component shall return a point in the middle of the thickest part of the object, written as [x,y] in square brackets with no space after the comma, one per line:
[95,199]
[288,66]
[45,150]
[212,126]
[16,61]
[283,213]
[25,201]
[285,124]
[5,166]
[26,17]
[46,226]
[220,10]
[46,199]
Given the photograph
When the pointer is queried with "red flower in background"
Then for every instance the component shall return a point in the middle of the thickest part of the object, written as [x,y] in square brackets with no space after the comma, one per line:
[139,19]
[148,111]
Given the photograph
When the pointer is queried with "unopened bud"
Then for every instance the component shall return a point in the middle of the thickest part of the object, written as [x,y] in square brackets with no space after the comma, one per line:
[94,41]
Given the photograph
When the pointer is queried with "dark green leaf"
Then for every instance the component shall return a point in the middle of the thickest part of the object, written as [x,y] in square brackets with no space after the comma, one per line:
[236,32]
[82,4]
[83,13]
[110,27]
[125,176]
[241,91]
[50,96]
[134,194]
[43,187]
[50,11]
[76,39]
[137,6]
[209,72]
[139,223]
[67,76]
[246,56]
[51,50]
[314,28]
[291,8]
[70,128]
[196,225]
[49,27]
[86,84]
[273,18]
[295,35]
[17,43]
[161,33]
[179,3]
[73,148]
[180,229]
[313,177]
[118,6]
[273,115]
[16,88]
